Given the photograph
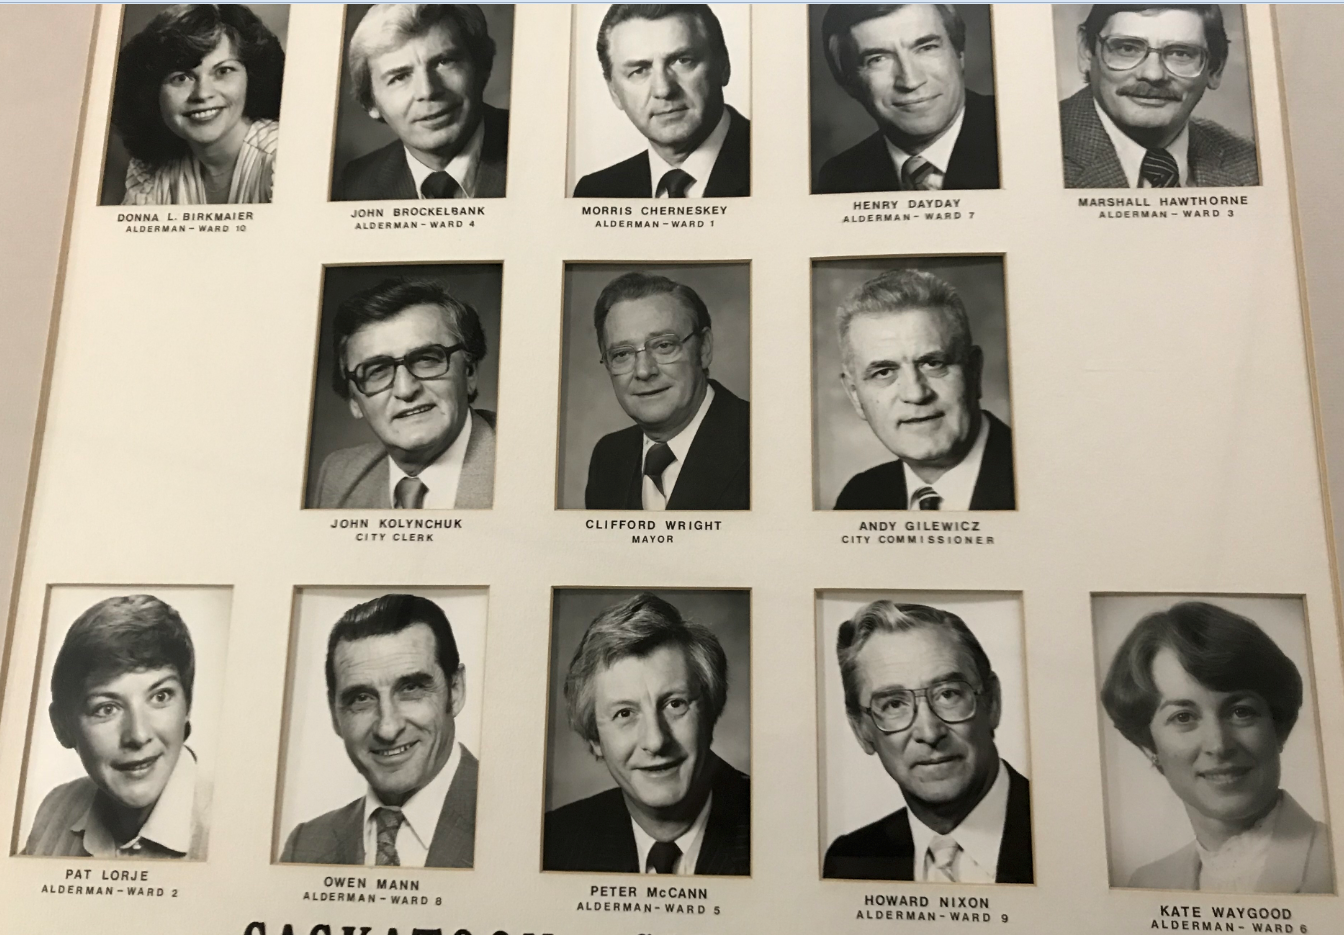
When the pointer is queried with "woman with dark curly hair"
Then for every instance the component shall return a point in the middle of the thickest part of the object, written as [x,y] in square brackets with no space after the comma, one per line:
[196,100]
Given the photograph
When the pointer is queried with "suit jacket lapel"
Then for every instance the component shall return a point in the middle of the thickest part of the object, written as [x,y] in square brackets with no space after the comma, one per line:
[731,175]
[1015,850]
[711,461]
[394,175]
[349,835]
[1205,158]
[974,162]
[370,489]
[1087,146]
[727,843]
[875,166]
[994,487]
[493,165]
[897,830]
[454,843]
[476,483]
[1289,848]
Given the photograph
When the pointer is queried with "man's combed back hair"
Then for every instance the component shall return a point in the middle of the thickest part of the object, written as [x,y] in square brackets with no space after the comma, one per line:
[637,627]
[837,41]
[1215,34]
[886,616]
[390,298]
[636,285]
[387,26]
[1223,651]
[900,290]
[387,615]
[619,13]
[135,633]
[177,40]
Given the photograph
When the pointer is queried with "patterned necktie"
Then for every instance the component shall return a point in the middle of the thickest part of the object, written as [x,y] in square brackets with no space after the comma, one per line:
[926,498]
[388,822]
[1159,169]
[409,494]
[944,850]
[663,857]
[918,174]
[439,185]
[656,461]
[674,182]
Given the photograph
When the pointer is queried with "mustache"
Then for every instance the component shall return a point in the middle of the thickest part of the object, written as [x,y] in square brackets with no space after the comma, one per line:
[1142,88]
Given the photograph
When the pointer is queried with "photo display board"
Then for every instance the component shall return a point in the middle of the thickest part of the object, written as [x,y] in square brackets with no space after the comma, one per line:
[645,470]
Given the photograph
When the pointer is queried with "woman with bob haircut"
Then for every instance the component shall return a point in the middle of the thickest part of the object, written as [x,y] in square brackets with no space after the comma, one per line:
[1210,699]
[121,693]
[196,103]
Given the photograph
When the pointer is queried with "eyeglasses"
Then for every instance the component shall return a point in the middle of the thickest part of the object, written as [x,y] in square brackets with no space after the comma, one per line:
[1122,53]
[424,363]
[663,348]
[953,701]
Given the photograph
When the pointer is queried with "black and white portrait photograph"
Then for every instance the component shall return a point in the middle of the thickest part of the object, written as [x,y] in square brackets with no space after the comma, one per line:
[654,387]
[125,727]
[648,756]
[424,105]
[1210,744]
[382,728]
[660,101]
[406,382]
[902,97]
[910,386]
[1154,96]
[925,770]
[196,104]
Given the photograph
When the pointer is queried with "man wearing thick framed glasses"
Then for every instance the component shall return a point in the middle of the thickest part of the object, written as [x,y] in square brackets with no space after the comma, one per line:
[1147,67]
[920,693]
[406,354]
[689,448]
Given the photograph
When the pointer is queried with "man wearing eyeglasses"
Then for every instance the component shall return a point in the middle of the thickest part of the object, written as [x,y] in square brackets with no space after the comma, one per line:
[689,448]
[920,694]
[406,354]
[1147,67]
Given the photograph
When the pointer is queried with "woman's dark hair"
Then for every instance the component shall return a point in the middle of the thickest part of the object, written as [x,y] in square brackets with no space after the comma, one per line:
[1223,651]
[178,39]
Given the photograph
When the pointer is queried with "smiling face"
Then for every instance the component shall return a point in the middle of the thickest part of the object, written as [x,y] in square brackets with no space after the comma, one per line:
[428,90]
[1218,750]
[918,390]
[1147,102]
[666,77]
[661,398]
[204,105]
[908,75]
[415,419]
[394,707]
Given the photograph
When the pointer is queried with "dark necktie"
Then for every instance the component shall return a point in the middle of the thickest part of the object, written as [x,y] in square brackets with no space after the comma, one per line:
[388,822]
[918,174]
[674,182]
[439,185]
[656,461]
[409,494]
[926,498]
[1160,170]
[663,856]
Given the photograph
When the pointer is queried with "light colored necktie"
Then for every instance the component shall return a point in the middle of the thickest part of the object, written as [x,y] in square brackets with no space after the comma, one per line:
[943,850]
[388,822]
[918,174]
[926,498]
[409,494]
[663,857]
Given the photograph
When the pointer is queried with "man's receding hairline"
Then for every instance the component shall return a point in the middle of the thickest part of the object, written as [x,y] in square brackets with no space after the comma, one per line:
[680,303]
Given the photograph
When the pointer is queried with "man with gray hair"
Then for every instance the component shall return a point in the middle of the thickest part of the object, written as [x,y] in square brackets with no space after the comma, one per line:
[421,69]
[644,690]
[912,372]
[920,694]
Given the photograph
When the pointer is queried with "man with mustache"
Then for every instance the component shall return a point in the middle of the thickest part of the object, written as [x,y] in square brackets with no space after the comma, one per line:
[911,371]
[421,69]
[1147,67]
[920,694]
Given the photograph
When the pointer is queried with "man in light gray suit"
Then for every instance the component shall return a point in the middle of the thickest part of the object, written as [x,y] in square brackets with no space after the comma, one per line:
[406,354]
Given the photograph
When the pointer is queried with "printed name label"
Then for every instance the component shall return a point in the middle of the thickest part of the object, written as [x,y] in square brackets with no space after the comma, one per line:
[919,532]
[184,222]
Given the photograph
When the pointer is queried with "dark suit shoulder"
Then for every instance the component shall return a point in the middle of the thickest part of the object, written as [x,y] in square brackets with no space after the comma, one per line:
[361,178]
[878,488]
[627,179]
[864,167]
[1231,143]
[870,852]
[573,835]
[319,840]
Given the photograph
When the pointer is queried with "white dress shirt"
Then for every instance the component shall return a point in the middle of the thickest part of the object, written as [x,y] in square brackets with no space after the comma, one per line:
[689,843]
[421,812]
[461,167]
[979,835]
[680,444]
[1131,153]
[699,164]
[957,485]
[1238,865]
[939,152]
[441,477]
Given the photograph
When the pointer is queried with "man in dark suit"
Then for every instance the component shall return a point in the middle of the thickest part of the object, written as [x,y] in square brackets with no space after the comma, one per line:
[912,372]
[421,69]
[690,446]
[395,684]
[666,66]
[645,689]
[1147,68]
[920,693]
[905,63]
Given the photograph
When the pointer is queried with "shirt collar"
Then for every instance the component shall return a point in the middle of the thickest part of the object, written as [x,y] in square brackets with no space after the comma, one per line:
[422,809]
[461,167]
[939,152]
[698,164]
[168,827]
[443,475]
[980,833]
[1131,153]
[957,485]
[681,442]
[689,842]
